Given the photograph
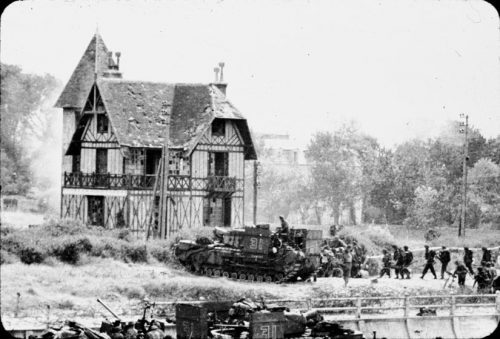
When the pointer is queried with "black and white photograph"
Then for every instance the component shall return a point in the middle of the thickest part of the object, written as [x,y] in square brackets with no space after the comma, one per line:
[237,169]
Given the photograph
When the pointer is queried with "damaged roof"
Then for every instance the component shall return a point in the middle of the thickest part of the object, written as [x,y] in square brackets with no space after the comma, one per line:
[138,111]
[93,61]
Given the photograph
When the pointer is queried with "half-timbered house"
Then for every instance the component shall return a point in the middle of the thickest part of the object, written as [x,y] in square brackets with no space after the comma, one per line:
[115,132]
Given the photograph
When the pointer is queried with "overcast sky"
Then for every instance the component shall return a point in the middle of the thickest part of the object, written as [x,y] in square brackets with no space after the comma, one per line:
[399,68]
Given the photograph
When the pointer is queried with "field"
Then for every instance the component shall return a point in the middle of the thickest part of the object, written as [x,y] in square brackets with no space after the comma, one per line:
[57,271]
[71,291]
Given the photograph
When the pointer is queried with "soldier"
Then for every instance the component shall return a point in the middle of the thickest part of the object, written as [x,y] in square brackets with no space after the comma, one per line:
[445,258]
[429,262]
[486,257]
[347,263]
[386,261]
[491,271]
[482,279]
[395,257]
[468,259]
[333,230]
[400,263]
[337,242]
[407,260]
[130,331]
[116,331]
[285,228]
[154,331]
[461,272]
[357,259]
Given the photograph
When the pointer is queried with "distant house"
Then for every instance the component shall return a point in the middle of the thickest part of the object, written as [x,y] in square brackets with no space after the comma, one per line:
[113,134]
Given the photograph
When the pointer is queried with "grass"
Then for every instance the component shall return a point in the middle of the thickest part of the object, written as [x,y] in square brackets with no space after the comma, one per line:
[72,290]
[67,266]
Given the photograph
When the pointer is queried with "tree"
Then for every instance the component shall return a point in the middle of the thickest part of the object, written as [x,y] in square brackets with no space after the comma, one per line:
[423,213]
[336,172]
[24,114]
[484,183]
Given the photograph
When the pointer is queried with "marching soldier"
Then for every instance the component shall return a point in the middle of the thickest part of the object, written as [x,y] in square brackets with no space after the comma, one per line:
[445,258]
[386,261]
[491,270]
[486,257]
[347,261]
[407,260]
[429,262]
[468,259]
[359,257]
[400,264]
[482,279]
[395,257]
[461,272]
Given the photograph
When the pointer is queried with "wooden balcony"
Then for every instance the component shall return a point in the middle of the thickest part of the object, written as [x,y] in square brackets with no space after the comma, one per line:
[221,184]
[108,181]
[212,184]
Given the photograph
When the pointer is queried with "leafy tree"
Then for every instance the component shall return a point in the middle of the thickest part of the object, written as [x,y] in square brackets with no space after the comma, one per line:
[423,212]
[484,183]
[336,172]
[25,98]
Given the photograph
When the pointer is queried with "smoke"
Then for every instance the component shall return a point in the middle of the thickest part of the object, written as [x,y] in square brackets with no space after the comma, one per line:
[43,144]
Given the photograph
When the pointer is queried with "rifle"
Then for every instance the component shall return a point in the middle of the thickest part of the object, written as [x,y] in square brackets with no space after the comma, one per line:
[450,275]
[108,309]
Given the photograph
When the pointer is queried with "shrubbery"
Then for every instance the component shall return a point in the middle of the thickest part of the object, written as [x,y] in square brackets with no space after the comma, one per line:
[32,255]
[69,241]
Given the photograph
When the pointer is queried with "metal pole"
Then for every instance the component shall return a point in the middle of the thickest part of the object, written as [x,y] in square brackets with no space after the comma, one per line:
[464,180]
[255,167]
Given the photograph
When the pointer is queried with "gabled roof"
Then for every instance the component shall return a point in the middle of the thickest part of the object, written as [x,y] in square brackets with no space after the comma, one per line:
[94,60]
[137,112]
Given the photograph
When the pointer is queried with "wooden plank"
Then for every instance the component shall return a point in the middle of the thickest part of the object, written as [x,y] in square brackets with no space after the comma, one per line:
[199,166]
[89,191]
[115,161]
[87,160]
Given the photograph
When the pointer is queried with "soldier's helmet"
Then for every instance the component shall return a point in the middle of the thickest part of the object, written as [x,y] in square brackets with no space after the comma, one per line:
[154,325]
[405,248]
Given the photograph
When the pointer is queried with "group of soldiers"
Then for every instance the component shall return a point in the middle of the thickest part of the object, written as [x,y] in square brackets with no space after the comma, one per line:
[401,259]
[343,257]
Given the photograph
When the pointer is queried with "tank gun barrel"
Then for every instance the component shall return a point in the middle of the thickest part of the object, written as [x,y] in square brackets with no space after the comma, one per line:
[108,309]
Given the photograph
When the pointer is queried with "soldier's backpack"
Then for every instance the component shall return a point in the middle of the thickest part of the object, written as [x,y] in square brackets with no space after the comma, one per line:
[408,258]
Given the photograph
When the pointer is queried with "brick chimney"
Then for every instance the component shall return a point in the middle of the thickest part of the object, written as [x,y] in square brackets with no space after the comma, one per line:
[219,78]
[113,70]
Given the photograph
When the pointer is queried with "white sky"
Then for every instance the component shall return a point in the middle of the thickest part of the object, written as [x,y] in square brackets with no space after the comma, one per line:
[400,68]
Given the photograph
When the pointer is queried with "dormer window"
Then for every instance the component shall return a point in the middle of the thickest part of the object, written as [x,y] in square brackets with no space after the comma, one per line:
[102,123]
[218,128]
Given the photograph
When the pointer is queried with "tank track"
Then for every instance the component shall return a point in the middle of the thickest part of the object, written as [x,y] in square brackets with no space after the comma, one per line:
[252,275]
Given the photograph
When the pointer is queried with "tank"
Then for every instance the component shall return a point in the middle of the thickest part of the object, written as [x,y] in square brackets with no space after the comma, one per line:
[251,254]
[247,319]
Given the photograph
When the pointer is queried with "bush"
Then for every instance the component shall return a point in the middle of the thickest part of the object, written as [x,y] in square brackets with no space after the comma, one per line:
[66,304]
[69,251]
[161,252]
[30,255]
[136,253]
